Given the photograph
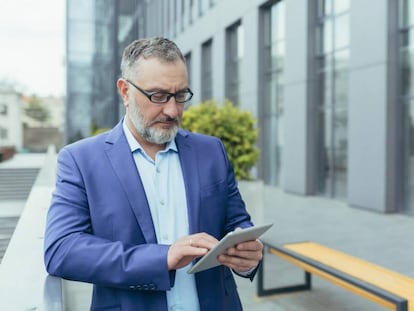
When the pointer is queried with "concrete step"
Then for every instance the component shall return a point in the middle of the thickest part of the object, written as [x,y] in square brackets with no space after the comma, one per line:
[16,183]
[7,226]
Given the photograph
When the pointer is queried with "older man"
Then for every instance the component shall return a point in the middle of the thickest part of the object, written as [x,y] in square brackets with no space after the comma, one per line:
[134,207]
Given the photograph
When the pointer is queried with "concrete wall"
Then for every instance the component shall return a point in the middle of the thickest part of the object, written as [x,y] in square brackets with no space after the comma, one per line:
[368,105]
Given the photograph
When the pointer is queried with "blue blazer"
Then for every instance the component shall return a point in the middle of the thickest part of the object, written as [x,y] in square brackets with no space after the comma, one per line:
[99,227]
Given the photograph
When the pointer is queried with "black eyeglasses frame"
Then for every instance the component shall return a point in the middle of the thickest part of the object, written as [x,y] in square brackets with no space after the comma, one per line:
[168,97]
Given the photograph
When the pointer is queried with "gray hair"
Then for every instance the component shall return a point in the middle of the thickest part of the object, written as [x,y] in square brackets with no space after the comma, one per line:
[162,49]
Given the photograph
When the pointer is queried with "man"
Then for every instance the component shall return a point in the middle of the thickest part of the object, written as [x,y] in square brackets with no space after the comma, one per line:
[135,206]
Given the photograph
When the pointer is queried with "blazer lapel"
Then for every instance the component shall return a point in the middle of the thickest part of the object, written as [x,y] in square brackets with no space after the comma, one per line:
[188,160]
[123,164]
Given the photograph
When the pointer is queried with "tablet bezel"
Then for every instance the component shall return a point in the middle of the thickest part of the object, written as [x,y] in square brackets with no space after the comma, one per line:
[209,260]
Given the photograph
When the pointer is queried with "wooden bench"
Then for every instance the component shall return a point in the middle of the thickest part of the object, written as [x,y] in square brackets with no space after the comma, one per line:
[385,287]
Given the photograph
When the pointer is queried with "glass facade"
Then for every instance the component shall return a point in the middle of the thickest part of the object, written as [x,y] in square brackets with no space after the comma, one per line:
[97,32]
[79,56]
[272,71]
[406,30]
[332,58]
[234,57]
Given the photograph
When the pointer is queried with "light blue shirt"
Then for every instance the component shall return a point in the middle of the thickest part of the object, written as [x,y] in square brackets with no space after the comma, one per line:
[164,187]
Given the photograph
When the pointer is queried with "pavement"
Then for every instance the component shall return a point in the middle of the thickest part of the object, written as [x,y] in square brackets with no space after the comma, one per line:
[383,239]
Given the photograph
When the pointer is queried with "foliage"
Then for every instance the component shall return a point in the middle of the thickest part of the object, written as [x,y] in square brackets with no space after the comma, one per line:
[37,110]
[95,130]
[100,131]
[236,128]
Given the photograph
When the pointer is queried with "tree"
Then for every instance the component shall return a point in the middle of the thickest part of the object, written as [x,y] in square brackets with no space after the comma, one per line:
[37,110]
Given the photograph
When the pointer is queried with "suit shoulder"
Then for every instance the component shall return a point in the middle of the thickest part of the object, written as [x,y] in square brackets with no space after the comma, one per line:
[87,143]
[198,136]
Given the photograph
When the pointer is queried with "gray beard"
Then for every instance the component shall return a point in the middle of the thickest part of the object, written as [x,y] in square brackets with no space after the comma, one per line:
[150,134]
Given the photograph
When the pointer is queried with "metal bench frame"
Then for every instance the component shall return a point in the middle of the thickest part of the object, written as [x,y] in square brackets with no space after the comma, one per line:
[400,303]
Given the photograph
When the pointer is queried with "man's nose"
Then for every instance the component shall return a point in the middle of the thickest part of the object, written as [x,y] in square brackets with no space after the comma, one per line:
[171,108]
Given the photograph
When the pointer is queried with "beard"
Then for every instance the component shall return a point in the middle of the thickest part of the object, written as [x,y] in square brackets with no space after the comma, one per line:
[147,131]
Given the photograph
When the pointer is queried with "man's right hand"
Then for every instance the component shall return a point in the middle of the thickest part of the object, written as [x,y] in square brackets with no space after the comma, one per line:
[186,249]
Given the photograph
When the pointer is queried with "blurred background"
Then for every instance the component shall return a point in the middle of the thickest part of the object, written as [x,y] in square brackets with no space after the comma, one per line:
[328,83]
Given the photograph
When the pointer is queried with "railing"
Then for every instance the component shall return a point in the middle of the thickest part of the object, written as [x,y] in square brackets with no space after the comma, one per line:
[24,282]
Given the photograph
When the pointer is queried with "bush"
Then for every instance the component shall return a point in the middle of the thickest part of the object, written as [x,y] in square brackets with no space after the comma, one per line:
[100,131]
[236,128]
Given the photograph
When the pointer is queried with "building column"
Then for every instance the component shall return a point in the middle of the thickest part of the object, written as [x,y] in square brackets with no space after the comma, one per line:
[298,119]
[372,107]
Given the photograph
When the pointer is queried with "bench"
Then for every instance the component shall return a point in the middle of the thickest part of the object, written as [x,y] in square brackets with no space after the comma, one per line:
[385,287]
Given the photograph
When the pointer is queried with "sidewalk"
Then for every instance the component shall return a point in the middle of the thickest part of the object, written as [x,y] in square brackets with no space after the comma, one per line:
[384,239]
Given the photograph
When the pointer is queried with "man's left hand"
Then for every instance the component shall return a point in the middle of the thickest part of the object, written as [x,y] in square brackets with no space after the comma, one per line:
[243,257]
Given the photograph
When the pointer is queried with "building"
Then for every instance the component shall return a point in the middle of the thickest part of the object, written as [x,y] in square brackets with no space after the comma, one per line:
[97,31]
[11,130]
[329,82]
[44,125]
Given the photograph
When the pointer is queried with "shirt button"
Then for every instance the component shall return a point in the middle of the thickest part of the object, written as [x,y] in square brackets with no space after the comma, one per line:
[162,202]
[157,170]
[173,307]
[165,237]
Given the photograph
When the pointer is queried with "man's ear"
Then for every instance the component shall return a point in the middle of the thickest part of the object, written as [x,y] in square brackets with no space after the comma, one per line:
[123,89]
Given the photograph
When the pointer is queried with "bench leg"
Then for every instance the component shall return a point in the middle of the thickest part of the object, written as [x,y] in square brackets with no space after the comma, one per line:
[402,306]
[261,291]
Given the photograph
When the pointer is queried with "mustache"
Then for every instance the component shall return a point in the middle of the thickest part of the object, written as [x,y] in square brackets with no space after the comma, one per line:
[166,119]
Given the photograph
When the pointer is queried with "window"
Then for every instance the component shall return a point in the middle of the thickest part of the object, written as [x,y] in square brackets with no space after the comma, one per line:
[3,133]
[3,109]
[202,6]
[191,12]
[206,71]
[406,32]
[332,57]
[188,63]
[272,84]
[234,56]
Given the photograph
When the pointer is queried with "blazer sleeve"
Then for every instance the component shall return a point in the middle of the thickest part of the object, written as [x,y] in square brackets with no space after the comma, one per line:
[73,251]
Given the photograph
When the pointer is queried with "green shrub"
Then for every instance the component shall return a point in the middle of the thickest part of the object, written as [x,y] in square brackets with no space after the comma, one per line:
[100,131]
[236,128]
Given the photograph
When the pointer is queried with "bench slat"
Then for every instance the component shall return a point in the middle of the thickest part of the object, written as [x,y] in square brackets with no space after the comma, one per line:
[378,276]
[355,289]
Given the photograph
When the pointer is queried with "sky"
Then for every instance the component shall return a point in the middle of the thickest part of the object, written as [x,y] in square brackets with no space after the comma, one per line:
[32,45]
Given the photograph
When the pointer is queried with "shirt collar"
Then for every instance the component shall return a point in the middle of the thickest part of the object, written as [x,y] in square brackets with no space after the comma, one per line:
[134,145]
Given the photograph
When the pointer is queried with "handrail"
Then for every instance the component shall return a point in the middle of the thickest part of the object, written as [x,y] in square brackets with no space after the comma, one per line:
[24,282]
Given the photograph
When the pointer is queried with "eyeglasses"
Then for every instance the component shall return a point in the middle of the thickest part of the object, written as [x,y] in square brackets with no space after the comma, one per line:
[161,97]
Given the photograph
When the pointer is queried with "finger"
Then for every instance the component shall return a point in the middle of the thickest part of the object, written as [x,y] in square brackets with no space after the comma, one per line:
[255,245]
[248,255]
[201,240]
[239,264]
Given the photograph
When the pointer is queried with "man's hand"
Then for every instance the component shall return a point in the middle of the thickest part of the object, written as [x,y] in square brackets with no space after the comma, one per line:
[243,257]
[187,248]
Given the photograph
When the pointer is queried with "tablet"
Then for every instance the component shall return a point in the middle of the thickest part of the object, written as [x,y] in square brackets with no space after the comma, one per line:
[209,260]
